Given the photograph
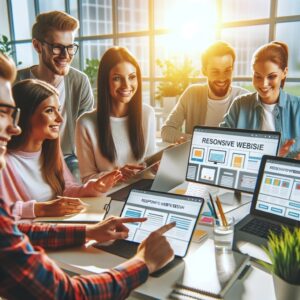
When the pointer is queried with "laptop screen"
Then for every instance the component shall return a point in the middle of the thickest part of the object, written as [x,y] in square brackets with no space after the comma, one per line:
[162,208]
[278,191]
[229,158]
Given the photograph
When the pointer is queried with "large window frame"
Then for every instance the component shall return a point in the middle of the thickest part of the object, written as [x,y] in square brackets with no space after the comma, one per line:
[152,32]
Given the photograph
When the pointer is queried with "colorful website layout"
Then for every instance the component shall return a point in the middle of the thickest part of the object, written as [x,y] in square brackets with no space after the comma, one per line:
[228,159]
[161,210]
[279,192]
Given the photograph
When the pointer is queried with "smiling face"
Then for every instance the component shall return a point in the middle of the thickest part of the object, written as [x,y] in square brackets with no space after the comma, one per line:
[46,120]
[219,72]
[59,64]
[7,130]
[123,84]
[267,77]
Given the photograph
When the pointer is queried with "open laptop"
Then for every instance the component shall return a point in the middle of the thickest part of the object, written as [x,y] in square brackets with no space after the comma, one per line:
[276,201]
[229,158]
[172,168]
[171,172]
[160,208]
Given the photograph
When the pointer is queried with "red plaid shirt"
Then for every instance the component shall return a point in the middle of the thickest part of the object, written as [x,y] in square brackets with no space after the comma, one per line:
[27,273]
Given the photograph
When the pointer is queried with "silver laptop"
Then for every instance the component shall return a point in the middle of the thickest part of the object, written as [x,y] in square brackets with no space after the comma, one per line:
[276,201]
[160,208]
[172,168]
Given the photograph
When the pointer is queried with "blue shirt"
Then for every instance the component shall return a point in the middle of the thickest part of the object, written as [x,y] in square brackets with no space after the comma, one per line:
[246,112]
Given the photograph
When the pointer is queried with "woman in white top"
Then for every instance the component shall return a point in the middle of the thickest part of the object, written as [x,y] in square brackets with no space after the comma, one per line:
[36,171]
[121,131]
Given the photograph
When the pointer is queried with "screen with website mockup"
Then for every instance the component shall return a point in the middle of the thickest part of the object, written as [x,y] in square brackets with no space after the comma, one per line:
[162,208]
[229,158]
[279,192]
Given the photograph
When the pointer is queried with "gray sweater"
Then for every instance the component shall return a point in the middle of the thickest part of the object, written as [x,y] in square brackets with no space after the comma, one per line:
[78,99]
[191,108]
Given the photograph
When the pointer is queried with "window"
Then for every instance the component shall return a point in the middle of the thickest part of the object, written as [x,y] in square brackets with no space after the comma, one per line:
[160,29]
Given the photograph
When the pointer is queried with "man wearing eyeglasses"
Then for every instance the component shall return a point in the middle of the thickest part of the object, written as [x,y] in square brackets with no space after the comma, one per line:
[53,36]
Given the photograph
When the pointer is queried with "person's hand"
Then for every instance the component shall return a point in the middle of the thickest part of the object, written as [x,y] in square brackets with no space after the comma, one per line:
[285,148]
[129,170]
[111,229]
[105,182]
[155,250]
[181,140]
[58,207]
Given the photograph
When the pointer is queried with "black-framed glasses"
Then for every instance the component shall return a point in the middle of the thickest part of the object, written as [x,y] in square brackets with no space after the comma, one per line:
[13,112]
[58,49]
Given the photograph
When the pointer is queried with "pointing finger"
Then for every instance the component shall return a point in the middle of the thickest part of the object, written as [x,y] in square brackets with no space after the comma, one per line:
[166,228]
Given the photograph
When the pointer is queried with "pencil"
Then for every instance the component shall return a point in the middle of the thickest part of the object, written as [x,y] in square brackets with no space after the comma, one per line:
[213,206]
[222,215]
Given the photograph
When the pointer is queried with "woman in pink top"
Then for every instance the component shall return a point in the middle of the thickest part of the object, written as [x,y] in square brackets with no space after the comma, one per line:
[35,166]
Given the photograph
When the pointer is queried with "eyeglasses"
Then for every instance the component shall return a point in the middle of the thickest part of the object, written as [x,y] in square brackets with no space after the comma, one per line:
[12,111]
[58,49]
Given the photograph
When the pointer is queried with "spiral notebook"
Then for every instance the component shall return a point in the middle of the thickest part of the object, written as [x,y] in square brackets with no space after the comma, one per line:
[209,274]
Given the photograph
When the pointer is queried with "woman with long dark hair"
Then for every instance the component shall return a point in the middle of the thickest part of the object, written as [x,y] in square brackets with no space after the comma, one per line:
[121,131]
[36,171]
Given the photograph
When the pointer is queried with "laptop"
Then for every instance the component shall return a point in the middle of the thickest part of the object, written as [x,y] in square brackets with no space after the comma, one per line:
[276,201]
[172,168]
[171,172]
[160,208]
[229,158]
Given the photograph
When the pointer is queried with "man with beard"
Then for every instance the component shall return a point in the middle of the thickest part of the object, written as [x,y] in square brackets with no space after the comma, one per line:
[53,36]
[205,104]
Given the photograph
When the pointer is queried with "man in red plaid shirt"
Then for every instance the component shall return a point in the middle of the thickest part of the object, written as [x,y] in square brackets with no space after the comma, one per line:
[25,270]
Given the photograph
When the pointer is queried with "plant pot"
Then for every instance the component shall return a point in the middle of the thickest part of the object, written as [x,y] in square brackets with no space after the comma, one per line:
[285,290]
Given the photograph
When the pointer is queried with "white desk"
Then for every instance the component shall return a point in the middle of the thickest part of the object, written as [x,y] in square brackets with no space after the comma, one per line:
[256,284]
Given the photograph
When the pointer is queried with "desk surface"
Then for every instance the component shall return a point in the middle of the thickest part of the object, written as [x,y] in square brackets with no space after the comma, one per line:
[256,284]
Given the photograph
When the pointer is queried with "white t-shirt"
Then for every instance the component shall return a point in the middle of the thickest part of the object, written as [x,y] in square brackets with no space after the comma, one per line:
[268,118]
[216,110]
[29,166]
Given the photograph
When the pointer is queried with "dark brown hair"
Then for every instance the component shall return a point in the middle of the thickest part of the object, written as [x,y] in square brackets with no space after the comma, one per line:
[53,20]
[219,48]
[276,52]
[111,58]
[28,95]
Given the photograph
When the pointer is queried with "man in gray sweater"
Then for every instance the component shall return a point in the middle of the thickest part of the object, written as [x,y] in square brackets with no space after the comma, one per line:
[205,104]
[53,37]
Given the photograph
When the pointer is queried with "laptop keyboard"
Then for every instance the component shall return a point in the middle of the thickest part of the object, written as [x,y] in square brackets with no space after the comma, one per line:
[261,228]
[122,194]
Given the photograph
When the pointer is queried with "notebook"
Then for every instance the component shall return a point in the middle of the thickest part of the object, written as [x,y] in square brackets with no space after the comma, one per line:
[222,270]
[276,201]
[160,208]
[93,213]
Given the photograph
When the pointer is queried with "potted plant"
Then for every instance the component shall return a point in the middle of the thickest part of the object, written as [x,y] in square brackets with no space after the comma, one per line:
[176,77]
[284,253]
[6,47]
[91,70]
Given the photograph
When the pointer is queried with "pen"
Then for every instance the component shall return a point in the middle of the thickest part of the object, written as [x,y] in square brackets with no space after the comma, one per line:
[211,209]
[222,215]
[213,206]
